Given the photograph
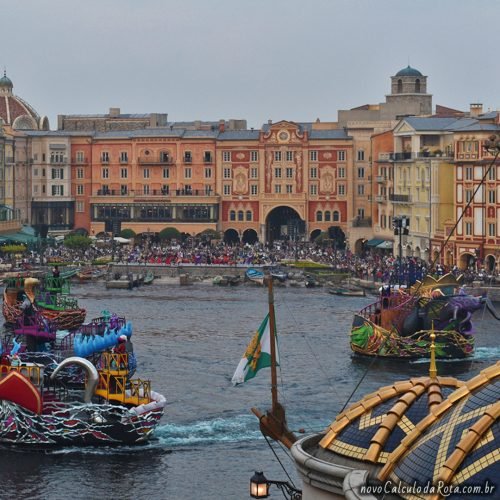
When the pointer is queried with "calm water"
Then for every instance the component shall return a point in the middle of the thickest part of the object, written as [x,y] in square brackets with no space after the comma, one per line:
[188,341]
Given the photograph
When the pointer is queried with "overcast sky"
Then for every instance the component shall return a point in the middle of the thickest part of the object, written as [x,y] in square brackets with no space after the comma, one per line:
[254,59]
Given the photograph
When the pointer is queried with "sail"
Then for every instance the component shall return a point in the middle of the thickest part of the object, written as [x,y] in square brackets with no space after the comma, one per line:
[257,354]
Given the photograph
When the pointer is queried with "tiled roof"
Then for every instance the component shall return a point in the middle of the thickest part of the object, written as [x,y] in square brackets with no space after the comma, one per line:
[457,443]
[373,428]
[238,135]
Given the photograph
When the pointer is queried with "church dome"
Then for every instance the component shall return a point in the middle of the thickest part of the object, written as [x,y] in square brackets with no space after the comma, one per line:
[17,113]
[5,81]
[371,429]
[409,71]
[456,445]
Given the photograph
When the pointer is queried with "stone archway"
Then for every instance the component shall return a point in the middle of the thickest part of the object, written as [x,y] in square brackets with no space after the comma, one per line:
[337,236]
[360,246]
[250,236]
[490,263]
[314,234]
[281,221]
[466,260]
[231,236]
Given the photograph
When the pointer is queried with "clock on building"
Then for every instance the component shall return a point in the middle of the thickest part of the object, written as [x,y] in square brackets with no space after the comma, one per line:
[283,136]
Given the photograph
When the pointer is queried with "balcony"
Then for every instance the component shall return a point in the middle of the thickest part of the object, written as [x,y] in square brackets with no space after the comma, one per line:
[208,160]
[81,160]
[380,198]
[400,198]
[159,161]
[155,192]
[362,222]
[381,179]
[123,161]
[188,159]
[104,161]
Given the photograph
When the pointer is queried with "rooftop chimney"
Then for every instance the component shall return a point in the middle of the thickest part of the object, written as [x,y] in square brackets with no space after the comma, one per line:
[222,125]
[476,109]
[114,112]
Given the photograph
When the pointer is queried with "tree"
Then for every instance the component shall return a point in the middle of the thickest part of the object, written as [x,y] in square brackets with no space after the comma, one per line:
[322,238]
[211,234]
[77,242]
[129,234]
[169,233]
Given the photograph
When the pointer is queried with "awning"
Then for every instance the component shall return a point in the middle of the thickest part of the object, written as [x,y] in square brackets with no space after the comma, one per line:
[374,242]
[20,238]
[385,245]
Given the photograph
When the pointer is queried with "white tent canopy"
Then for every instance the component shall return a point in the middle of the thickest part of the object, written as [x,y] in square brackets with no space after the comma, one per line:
[122,241]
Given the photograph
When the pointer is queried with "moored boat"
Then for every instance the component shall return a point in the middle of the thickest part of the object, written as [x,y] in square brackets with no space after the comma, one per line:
[347,291]
[255,275]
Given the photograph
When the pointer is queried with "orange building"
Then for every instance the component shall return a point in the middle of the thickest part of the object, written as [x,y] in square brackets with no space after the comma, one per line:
[249,184]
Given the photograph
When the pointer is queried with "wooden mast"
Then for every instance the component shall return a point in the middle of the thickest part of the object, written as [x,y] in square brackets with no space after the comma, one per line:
[273,422]
[272,329]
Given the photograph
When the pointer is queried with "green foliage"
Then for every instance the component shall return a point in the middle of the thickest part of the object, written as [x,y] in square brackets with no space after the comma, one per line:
[77,242]
[128,234]
[12,248]
[306,264]
[102,261]
[211,233]
[169,233]
[322,238]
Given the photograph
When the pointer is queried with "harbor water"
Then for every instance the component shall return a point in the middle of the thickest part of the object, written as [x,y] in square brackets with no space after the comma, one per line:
[188,341]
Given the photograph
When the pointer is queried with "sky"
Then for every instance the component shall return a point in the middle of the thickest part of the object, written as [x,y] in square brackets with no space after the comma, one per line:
[257,60]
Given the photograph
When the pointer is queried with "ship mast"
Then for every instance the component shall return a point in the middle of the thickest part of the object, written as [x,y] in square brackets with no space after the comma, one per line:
[273,422]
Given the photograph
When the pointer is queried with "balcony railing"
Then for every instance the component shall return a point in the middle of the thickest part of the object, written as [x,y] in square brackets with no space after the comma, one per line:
[158,161]
[362,222]
[407,156]
[155,192]
[187,159]
[381,179]
[380,198]
[207,159]
[400,198]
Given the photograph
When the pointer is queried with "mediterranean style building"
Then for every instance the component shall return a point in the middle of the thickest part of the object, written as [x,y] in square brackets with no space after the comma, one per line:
[349,179]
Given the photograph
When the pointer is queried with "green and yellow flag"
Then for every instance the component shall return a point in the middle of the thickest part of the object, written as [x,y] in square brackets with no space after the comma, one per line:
[257,355]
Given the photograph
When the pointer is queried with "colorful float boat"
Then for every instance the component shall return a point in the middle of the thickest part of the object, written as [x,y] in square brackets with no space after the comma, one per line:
[49,296]
[400,322]
[47,399]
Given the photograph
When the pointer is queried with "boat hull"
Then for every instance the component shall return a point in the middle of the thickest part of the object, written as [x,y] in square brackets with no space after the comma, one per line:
[78,424]
[370,339]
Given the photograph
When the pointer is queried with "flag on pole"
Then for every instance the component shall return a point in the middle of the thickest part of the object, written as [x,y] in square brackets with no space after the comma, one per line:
[257,355]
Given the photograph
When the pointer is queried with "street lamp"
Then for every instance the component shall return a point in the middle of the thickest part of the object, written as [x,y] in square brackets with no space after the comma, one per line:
[401,225]
[259,487]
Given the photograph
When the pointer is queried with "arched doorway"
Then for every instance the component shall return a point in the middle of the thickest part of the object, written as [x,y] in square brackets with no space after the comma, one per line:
[466,260]
[337,236]
[250,236]
[360,246]
[231,236]
[408,251]
[449,258]
[417,253]
[280,222]
[490,263]
[314,234]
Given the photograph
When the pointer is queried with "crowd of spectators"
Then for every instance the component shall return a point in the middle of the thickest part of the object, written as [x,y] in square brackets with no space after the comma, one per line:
[380,267]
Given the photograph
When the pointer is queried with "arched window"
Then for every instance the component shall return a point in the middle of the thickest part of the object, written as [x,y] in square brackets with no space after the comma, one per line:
[400,86]
[240,215]
[319,216]
[328,216]
[249,215]
[336,216]
[232,215]
[417,86]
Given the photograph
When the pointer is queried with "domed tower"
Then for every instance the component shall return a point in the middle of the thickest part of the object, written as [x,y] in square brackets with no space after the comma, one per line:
[456,445]
[17,113]
[409,92]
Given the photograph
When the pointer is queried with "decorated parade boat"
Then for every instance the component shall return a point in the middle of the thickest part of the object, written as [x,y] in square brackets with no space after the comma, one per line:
[49,296]
[399,323]
[74,388]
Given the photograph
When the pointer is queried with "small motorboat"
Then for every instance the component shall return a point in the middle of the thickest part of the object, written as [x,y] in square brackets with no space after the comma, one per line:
[347,291]
[255,275]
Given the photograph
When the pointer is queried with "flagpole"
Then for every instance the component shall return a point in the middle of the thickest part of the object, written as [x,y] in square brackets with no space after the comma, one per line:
[272,329]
